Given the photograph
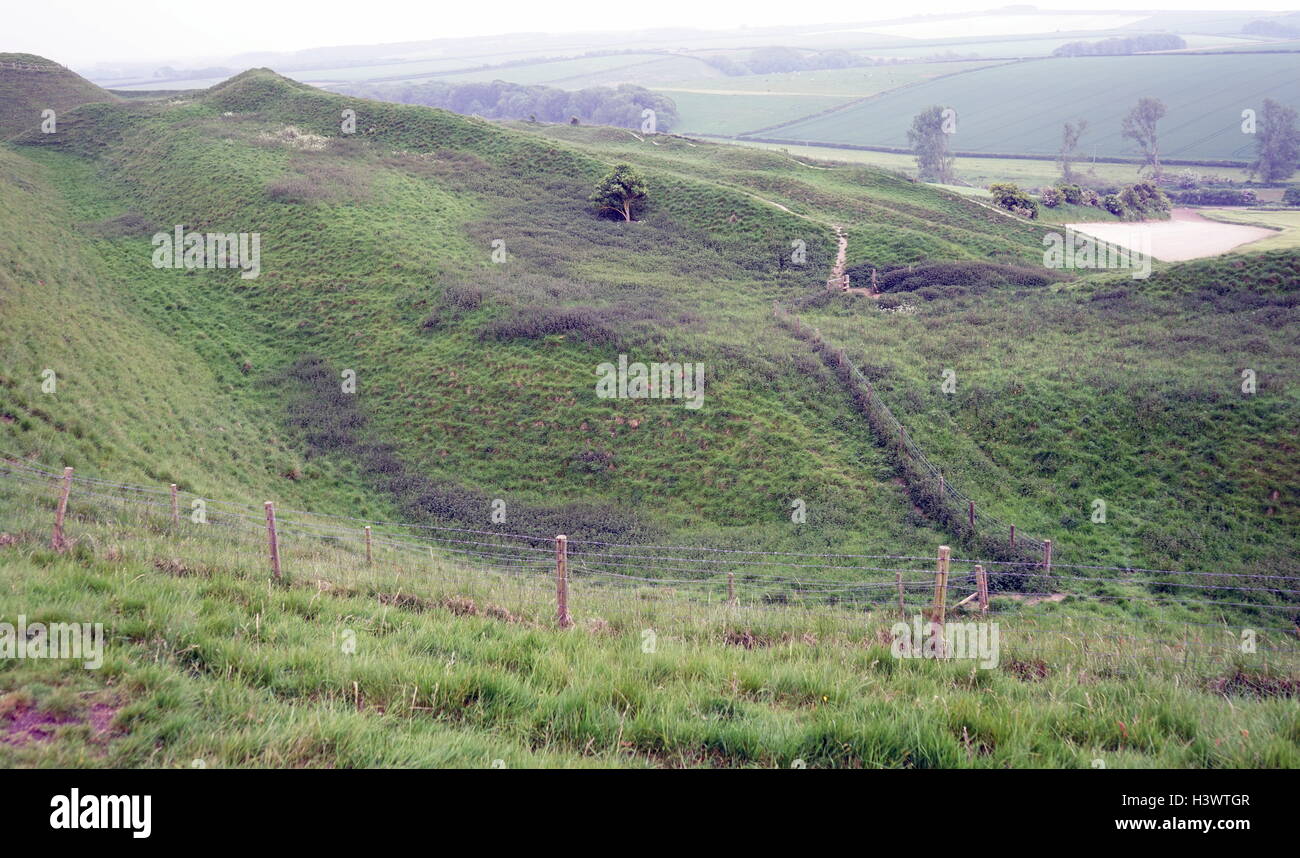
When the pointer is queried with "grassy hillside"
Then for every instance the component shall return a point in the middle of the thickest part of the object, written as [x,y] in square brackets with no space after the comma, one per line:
[1114,389]
[475,383]
[478,377]
[416,663]
[30,84]
[1019,108]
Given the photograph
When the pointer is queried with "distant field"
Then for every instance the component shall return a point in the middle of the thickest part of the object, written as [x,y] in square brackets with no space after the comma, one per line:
[747,103]
[189,83]
[1288,222]
[716,113]
[1020,107]
[976,171]
[1286,45]
[854,82]
[644,69]
[984,48]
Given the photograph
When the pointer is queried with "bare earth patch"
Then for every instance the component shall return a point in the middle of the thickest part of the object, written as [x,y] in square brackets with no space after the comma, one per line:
[1186,235]
[25,724]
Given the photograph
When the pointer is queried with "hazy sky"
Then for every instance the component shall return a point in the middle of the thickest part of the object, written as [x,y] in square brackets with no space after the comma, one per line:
[77,32]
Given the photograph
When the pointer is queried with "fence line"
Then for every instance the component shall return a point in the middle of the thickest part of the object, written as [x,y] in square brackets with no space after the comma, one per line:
[911,586]
[893,435]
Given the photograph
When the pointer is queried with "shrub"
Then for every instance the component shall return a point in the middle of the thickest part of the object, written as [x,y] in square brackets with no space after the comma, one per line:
[1291,197]
[532,323]
[1072,194]
[1014,200]
[1144,198]
[1091,198]
[970,274]
[1216,197]
[1051,197]
[1113,204]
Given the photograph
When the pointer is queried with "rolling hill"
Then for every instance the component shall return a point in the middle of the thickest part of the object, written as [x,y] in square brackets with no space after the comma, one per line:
[455,269]
[30,84]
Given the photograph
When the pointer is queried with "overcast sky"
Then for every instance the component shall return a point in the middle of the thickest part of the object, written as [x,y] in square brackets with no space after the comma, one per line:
[78,32]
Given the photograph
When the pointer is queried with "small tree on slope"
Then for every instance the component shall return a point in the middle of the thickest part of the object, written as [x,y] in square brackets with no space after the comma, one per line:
[623,190]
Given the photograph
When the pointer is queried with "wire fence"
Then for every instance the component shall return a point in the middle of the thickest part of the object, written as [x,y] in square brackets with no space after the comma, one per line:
[1191,618]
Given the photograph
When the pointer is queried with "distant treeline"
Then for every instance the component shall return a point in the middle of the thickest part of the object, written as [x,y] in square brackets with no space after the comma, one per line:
[620,106]
[1287,27]
[1125,45]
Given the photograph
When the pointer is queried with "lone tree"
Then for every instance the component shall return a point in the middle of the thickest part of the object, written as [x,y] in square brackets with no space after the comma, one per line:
[1277,143]
[622,191]
[930,143]
[1070,135]
[1140,127]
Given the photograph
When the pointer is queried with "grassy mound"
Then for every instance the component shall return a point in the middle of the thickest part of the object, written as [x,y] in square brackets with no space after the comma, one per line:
[30,84]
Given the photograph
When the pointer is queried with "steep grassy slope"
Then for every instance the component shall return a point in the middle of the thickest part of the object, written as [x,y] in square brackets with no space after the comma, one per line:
[1113,389]
[129,397]
[475,380]
[30,85]
[377,257]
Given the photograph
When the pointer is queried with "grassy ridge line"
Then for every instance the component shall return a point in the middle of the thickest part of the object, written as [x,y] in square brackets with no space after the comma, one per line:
[30,85]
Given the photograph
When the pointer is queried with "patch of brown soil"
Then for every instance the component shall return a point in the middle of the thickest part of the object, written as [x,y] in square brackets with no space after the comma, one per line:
[1027,671]
[1253,684]
[24,724]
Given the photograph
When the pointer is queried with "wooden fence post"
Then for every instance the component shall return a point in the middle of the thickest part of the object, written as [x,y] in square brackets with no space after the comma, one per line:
[982,587]
[731,588]
[940,608]
[562,581]
[1047,557]
[57,542]
[369,558]
[176,507]
[971,513]
[902,609]
[272,539]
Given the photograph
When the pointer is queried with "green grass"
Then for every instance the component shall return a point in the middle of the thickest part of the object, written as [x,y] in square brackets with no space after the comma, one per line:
[1286,222]
[377,257]
[1019,108]
[207,660]
[26,94]
[1118,389]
